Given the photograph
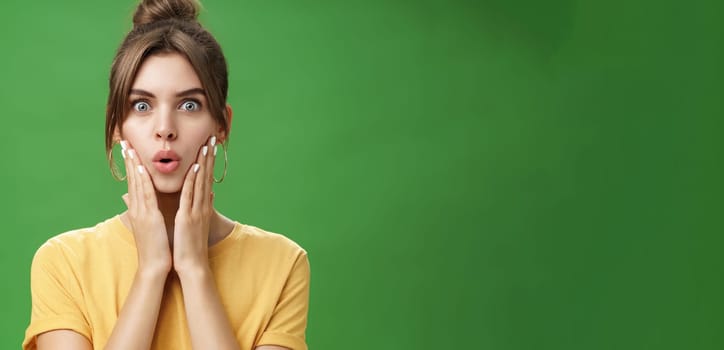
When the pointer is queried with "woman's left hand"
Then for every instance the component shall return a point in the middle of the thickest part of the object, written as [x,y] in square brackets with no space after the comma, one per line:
[193,219]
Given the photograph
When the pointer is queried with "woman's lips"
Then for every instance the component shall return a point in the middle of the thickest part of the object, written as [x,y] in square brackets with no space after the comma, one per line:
[166,161]
[167,167]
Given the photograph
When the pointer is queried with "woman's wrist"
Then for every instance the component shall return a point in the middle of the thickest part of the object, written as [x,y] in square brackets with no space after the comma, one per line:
[192,272]
[154,270]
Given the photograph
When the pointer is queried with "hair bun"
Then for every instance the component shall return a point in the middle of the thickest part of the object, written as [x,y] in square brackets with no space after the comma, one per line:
[150,11]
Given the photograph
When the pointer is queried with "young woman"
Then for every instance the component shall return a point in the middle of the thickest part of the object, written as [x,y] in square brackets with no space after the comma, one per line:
[171,272]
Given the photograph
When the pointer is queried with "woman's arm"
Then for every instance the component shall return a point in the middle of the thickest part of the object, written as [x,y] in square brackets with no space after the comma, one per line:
[207,320]
[209,325]
[137,322]
[63,339]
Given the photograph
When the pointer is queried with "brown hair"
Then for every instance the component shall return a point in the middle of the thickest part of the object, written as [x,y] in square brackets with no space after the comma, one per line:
[164,26]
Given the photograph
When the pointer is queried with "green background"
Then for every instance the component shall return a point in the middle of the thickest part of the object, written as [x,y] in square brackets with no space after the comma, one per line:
[464,174]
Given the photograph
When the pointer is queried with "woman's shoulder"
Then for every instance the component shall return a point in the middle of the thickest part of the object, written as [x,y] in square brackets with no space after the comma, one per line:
[264,241]
[77,242]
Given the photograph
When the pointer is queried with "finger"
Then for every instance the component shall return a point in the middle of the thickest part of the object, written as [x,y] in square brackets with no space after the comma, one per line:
[209,175]
[207,178]
[128,156]
[187,191]
[209,182]
[133,174]
[199,184]
[211,161]
[147,192]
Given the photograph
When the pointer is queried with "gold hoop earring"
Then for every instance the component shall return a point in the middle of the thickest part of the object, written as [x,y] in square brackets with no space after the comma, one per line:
[226,164]
[115,172]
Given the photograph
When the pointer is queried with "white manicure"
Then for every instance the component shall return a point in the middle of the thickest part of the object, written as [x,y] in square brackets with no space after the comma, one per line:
[213,140]
[205,150]
[131,153]
[215,147]
[124,144]
[196,168]
[140,169]
[123,153]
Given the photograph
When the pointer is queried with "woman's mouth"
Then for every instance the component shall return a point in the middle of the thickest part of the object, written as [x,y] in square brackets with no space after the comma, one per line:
[166,165]
[166,161]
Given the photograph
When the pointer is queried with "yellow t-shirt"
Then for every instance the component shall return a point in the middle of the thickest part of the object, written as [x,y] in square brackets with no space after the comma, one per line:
[80,279]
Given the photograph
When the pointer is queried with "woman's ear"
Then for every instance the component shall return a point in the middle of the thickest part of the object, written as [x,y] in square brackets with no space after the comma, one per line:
[224,134]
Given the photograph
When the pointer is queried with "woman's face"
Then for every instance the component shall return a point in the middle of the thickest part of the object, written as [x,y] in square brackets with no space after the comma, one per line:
[169,119]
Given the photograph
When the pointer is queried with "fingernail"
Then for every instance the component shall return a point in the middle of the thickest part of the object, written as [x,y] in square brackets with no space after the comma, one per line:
[123,153]
[213,140]
[140,169]
[215,147]
[131,153]
[204,150]
[124,144]
[196,167]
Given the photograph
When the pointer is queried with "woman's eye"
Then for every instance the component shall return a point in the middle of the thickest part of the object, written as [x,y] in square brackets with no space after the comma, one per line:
[141,106]
[191,106]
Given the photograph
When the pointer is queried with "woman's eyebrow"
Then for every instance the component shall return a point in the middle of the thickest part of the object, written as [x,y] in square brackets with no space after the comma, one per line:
[192,91]
[141,93]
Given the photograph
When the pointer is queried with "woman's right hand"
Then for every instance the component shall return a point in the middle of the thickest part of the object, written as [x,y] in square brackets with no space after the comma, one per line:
[147,223]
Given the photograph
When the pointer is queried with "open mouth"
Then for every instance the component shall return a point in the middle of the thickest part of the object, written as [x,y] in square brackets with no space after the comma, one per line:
[166,161]
[166,165]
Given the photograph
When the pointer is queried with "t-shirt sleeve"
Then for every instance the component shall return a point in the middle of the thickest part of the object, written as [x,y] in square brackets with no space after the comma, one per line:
[289,320]
[55,294]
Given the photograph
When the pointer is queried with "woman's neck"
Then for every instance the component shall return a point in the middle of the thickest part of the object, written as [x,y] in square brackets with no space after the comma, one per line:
[168,204]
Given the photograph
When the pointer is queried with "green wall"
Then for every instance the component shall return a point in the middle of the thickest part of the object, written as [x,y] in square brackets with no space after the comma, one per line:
[464,174]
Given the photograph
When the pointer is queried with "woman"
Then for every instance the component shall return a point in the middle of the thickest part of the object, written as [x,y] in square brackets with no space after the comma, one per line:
[171,272]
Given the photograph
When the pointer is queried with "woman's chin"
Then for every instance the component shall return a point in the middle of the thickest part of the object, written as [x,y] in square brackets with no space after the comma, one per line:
[168,187]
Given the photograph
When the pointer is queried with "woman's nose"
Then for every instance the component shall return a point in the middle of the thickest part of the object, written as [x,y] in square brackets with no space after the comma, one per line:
[166,134]
[165,128]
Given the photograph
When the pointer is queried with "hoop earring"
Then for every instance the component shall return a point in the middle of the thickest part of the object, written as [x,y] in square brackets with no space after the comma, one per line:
[115,172]
[226,164]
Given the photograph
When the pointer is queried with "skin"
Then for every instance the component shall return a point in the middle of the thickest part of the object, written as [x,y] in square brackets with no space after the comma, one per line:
[172,216]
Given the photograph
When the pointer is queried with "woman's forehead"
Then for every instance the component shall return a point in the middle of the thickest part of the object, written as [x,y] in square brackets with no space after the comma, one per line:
[166,74]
